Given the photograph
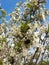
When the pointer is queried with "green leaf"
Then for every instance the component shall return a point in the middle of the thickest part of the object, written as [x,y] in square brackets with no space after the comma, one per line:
[3,12]
[24,27]
[1,63]
[3,39]
[45,63]
[27,21]
[1,47]
[18,46]
[29,5]
[48,27]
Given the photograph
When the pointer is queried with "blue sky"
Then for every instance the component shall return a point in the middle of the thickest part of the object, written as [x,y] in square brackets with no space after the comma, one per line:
[9,5]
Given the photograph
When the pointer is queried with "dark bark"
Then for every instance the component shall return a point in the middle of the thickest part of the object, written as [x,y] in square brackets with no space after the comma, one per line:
[31,61]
